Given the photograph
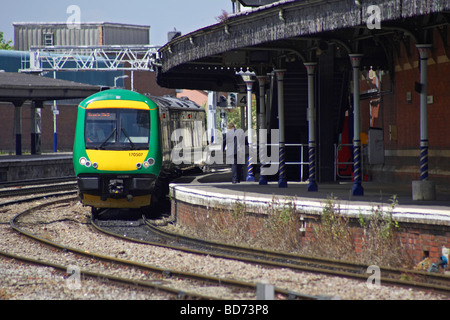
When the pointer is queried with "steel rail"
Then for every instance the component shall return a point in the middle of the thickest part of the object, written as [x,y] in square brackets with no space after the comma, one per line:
[96,275]
[154,269]
[149,284]
[37,188]
[315,264]
[287,293]
[27,182]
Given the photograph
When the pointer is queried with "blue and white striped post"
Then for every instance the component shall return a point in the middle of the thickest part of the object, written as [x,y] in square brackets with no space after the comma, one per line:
[250,174]
[423,189]
[357,189]
[282,181]
[312,185]
[262,125]
[423,56]
[247,77]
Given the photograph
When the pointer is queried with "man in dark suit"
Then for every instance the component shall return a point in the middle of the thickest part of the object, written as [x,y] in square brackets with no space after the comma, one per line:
[235,145]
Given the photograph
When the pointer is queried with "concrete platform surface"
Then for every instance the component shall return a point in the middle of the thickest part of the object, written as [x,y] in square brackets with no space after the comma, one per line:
[217,187]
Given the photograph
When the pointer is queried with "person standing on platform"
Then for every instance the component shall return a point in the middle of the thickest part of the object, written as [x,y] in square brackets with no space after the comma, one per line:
[235,155]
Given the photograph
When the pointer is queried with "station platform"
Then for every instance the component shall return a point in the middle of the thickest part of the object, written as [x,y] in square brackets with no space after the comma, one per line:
[204,201]
[216,189]
[33,167]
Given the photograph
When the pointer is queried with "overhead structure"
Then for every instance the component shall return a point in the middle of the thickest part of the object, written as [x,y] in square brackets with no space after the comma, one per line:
[91,58]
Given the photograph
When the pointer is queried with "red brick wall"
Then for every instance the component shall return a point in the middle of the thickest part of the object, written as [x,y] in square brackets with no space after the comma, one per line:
[420,240]
[145,82]
[66,121]
[402,157]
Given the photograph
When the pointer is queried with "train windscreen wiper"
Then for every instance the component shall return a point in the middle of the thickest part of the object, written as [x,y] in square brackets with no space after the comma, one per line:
[129,139]
[107,139]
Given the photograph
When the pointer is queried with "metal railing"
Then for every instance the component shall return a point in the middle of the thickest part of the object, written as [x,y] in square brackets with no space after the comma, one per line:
[301,163]
[337,163]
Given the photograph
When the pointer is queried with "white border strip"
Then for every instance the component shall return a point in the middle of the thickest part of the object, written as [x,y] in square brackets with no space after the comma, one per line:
[258,204]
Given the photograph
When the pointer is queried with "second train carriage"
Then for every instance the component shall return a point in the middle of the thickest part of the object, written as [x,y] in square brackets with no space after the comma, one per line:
[125,143]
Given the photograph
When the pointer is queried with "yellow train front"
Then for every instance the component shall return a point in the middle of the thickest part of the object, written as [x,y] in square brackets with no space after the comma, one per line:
[122,150]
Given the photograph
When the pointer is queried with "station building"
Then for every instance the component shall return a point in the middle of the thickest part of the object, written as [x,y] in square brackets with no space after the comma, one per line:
[362,85]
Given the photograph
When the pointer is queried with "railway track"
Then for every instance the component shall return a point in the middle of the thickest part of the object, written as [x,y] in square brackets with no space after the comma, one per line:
[162,275]
[79,257]
[421,280]
[40,186]
[391,276]
[394,276]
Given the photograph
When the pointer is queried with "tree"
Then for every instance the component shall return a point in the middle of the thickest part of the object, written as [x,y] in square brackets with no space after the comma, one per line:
[5,44]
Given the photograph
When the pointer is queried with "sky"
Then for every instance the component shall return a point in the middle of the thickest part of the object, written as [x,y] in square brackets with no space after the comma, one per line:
[161,15]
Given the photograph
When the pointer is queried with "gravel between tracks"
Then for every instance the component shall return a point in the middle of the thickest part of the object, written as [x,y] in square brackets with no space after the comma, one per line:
[69,225]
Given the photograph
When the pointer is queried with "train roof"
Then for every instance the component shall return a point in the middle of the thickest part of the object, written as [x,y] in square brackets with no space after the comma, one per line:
[175,103]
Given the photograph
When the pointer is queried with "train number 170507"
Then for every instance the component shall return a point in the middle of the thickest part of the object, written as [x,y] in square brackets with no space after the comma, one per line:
[135,154]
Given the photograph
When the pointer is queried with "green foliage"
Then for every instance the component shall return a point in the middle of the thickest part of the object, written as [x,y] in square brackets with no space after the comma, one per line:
[381,223]
[333,236]
[381,244]
[234,115]
[5,44]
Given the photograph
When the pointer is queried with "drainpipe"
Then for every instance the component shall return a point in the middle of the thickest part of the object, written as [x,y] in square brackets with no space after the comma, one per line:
[357,189]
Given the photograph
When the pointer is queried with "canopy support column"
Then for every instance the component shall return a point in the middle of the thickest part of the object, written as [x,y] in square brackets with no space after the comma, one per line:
[282,181]
[357,189]
[312,185]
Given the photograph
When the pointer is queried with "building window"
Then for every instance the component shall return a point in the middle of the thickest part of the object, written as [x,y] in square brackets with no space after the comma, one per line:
[48,39]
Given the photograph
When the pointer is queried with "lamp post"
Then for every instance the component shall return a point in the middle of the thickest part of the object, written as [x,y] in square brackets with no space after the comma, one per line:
[247,77]
[117,78]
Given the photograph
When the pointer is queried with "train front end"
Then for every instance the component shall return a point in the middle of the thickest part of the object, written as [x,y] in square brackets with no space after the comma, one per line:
[117,153]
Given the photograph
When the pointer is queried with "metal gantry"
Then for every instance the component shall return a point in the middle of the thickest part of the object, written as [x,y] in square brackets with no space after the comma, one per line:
[91,58]
[83,58]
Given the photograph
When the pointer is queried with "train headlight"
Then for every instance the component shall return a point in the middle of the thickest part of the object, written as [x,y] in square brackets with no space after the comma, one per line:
[151,161]
[95,165]
[83,161]
[138,165]
[146,164]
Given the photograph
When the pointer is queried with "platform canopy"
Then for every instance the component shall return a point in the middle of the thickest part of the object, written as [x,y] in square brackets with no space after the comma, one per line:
[273,32]
[18,88]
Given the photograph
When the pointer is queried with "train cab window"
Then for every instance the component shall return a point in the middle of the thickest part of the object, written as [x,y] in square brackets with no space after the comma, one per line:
[117,129]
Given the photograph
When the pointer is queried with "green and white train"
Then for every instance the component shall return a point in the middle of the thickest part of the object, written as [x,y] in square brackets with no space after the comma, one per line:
[123,147]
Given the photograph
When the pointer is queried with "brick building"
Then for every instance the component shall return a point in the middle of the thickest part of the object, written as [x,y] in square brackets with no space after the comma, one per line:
[397,113]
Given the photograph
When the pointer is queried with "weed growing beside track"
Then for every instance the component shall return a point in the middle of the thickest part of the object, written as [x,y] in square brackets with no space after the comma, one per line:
[368,239]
